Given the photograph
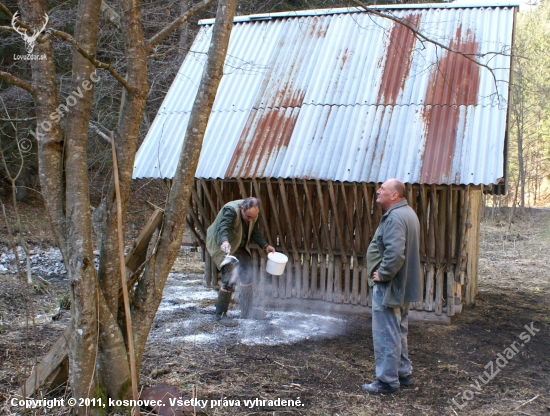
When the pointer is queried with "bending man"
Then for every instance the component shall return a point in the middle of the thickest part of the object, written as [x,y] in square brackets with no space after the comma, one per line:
[235,226]
[393,262]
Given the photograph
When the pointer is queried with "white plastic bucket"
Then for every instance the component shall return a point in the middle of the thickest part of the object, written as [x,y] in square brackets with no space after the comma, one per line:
[276,263]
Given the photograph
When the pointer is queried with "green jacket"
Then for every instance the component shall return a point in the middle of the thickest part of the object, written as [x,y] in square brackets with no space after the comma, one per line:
[230,228]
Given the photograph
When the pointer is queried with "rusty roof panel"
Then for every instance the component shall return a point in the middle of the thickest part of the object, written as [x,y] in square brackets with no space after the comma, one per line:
[348,96]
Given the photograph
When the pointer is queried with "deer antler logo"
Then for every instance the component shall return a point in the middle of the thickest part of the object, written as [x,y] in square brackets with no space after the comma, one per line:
[30,41]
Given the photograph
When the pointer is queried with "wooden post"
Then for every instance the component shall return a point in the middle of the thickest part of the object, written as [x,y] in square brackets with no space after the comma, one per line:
[208,196]
[289,271]
[439,291]
[263,277]
[450,293]
[347,283]
[305,276]
[221,199]
[276,216]
[314,275]
[430,286]
[271,240]
[338,279]
[364,286]
[355,282]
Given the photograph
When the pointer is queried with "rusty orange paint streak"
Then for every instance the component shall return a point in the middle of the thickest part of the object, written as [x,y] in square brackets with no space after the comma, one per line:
[398,60]
[266,135]
[453,83]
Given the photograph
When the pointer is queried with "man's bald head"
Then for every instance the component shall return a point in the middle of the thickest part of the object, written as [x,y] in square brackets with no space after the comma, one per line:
[397,186]
[390,193]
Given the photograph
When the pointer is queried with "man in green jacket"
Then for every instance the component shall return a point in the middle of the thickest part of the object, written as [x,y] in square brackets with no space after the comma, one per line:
[231,233]
[393,264]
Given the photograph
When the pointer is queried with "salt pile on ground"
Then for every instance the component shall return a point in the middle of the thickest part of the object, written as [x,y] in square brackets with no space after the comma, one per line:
[187,309]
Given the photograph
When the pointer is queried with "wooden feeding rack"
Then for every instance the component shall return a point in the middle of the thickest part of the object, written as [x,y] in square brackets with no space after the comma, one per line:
[325,227]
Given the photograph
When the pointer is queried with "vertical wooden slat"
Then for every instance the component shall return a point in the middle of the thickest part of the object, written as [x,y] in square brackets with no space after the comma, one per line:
[355,282]
[298,278]
[311,215]
[430,286]
[242,189]
[420,305]
[439,277]
[263,278]
[200,207]
[314,275]
[358,228]
[441,227]
[422,216]
[305,276]
[337,221]
[338,279]
[289,273]
[329,295]
[263,216]
[369,215]
[221,200]
[288,216]
[449,228]
[364,286]
[450,293]
[347,283]
[324,217]
[433,224]
[276,216]
[323,266]
[208,196]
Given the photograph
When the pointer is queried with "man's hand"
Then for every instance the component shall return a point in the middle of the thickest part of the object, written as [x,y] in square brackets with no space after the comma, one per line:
[269,249]
[226,247]
[375,277]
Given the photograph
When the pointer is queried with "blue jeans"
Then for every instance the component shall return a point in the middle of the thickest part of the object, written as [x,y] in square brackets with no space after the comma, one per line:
[389,336]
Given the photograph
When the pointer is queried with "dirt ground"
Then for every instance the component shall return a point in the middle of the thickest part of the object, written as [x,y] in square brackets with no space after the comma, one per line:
[323,360]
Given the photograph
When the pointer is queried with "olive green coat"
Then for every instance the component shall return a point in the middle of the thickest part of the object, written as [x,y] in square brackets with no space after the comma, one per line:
[235,233]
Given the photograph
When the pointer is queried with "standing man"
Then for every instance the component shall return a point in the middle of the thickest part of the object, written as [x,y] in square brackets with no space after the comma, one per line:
[235,226]
[393,262]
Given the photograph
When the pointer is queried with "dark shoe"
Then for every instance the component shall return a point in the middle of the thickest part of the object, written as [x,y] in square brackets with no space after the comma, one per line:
[406,381]
[379,387]
[222,305]
[225,320]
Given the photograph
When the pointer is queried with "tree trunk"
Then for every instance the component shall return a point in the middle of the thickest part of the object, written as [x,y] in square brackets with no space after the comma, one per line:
[178,200]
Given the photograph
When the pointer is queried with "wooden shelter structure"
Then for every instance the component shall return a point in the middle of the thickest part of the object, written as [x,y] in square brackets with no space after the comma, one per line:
[316,109]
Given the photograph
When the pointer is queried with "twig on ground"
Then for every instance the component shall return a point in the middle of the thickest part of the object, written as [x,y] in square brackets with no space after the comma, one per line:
[527,402]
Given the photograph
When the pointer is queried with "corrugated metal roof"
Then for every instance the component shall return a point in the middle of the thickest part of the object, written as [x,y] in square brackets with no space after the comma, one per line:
[348,97]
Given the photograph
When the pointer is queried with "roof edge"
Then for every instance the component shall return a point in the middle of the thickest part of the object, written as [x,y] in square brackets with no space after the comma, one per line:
[341,10]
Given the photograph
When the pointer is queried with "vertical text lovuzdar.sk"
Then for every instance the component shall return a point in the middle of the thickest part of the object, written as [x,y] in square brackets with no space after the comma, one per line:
[501,362]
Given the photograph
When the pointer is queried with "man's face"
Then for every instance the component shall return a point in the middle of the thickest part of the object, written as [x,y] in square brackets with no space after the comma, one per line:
[250,214]
[385,195]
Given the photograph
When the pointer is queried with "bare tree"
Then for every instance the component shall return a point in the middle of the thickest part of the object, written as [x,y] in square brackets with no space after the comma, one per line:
[98,346]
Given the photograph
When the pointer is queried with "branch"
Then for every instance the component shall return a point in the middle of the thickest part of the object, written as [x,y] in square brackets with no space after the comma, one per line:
[155,40]
[16,81]
[91,58]
[417,33]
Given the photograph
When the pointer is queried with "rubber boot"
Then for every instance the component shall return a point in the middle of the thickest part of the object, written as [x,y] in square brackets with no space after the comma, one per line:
[222,305]
[245,302]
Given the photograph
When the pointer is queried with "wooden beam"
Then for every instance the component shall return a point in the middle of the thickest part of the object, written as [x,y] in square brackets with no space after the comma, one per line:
[276,216]
[324,216]
[288,217]
[263,216]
